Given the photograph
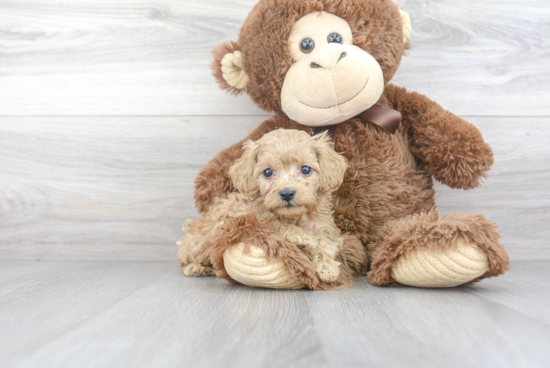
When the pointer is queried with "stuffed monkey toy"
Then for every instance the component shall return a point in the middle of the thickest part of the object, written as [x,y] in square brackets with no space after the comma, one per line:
[327,65]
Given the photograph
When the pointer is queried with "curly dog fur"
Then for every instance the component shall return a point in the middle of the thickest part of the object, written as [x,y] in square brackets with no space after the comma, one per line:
[282,160]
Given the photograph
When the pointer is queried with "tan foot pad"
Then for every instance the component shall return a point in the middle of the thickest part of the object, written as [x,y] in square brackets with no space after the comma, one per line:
[423,268]
[253,269]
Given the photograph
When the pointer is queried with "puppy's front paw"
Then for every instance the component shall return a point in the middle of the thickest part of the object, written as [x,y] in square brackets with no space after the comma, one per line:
[328,270]
[196,269]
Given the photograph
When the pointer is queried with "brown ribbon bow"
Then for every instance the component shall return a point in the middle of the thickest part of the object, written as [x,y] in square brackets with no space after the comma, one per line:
[385,117]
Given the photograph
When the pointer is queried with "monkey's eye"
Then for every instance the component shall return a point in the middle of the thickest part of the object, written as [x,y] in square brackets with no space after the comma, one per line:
[307,45]
[268,172]
[306,170]
[334,38]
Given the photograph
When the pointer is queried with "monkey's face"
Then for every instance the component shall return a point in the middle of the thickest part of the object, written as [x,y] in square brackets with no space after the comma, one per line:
[331,79]
[319,62]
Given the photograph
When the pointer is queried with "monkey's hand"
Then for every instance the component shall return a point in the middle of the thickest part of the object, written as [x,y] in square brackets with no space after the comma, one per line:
[452,149]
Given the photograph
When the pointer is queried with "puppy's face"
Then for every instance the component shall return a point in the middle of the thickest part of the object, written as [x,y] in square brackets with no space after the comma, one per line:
[288,180]
[289,170]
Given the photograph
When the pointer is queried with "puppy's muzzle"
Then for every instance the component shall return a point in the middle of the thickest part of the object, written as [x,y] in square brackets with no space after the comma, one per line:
[287,194]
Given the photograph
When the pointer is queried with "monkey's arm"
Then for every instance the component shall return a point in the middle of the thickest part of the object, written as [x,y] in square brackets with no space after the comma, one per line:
[213,180]
[452,149]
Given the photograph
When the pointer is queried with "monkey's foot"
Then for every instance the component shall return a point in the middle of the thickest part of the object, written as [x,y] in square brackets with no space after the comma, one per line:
[441,268]
[254,269]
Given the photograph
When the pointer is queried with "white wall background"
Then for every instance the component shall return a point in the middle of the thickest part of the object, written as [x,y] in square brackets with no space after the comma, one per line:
[108,110]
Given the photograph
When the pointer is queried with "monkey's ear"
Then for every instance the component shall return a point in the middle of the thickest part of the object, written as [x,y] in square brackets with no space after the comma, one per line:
[242,171]
[228,68]
[406,22]
[332,166]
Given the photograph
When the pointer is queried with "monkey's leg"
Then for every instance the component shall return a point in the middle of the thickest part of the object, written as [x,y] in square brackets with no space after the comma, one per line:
[251,253]
[424,250]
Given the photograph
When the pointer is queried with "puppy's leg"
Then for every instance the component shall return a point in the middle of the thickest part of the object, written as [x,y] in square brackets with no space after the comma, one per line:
[324,256]
[321,248]
[195,248]
[195,251]
[294,234]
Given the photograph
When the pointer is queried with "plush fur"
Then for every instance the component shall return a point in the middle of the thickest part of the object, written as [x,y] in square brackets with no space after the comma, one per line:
[429,231]
[376,28]
[304,224]
[387,198]
[218,53]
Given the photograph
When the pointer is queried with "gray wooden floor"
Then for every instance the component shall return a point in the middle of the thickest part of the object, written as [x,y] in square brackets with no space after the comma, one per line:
[146,314]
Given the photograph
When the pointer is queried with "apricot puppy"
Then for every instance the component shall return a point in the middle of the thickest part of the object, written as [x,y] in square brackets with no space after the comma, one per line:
[286,178]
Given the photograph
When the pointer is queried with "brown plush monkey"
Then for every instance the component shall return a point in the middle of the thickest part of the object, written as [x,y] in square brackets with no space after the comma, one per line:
[327,65]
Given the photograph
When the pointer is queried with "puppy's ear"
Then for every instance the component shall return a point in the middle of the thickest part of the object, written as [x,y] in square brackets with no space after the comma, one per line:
[242,171]
[332,165]
[227,68]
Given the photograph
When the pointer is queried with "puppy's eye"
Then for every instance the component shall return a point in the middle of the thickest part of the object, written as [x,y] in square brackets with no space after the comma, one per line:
[306,170]
[267,173]
[334,38]
[307,45]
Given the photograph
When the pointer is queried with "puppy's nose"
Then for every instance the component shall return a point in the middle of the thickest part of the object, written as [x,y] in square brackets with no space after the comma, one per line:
[287,194]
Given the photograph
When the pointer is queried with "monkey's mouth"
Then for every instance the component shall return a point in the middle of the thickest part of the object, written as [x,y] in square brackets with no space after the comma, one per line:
[341,103]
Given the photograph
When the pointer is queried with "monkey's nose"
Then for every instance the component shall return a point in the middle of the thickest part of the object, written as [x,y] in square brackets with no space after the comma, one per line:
[327,64]
[287,194]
